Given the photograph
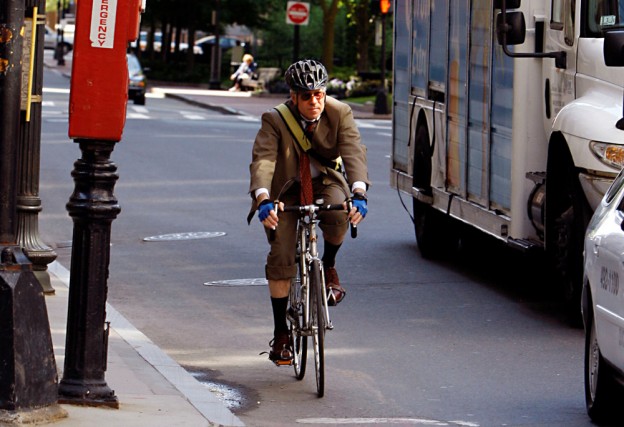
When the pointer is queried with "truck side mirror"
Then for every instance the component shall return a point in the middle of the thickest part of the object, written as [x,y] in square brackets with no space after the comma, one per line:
[510,28]
[613,50]
[613,53]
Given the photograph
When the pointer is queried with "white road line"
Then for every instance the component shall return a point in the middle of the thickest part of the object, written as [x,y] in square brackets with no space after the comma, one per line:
[248,119]
[137,116]
[140,109]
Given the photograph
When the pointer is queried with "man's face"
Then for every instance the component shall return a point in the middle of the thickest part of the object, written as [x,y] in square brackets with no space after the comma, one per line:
[310,103]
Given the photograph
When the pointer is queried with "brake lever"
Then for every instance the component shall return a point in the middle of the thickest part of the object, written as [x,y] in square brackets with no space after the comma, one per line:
[351,225]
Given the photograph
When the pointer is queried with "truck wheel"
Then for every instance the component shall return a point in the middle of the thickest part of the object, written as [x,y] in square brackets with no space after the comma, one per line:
[570,231]
[600,387]
[435,233]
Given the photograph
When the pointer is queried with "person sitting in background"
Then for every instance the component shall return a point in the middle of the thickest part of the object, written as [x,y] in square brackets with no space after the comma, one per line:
[245,71]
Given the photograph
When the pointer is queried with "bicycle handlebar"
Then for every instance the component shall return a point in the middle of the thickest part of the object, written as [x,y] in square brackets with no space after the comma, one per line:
[308,208]
[315,208]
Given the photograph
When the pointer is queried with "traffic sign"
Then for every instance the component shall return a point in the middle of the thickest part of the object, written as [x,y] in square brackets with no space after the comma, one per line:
[297,13]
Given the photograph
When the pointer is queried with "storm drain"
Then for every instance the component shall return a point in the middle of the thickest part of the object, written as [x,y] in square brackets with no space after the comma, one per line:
[194,235]
[238,282]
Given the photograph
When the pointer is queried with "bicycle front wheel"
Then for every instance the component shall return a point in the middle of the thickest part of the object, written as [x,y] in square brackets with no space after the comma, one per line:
[299,340]
[317,318]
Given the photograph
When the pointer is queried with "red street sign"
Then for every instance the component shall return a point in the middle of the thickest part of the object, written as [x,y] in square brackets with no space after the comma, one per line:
[297,13]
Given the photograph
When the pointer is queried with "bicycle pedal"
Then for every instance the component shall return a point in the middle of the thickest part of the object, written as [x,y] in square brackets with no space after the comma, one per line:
[283,362]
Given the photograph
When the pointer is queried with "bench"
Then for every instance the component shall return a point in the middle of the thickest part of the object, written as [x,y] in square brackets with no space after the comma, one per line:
[265,76]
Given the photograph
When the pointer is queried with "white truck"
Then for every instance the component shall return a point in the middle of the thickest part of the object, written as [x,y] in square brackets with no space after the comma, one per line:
[507,117]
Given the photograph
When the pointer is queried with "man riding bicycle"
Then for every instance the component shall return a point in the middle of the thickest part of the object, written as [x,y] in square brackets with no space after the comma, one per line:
[283,165]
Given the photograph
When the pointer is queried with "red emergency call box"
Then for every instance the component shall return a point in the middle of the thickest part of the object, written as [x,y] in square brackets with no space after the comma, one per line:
[99,81]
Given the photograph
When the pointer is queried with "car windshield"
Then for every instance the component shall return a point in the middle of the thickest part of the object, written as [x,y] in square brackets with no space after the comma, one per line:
[604,15]
[133,64]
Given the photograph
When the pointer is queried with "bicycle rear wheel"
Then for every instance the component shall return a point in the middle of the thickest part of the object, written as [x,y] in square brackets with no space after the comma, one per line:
[317,319]
[299,341]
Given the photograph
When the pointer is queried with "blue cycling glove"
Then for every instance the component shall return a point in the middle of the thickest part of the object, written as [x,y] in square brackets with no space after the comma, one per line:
[264,209]
[360,202]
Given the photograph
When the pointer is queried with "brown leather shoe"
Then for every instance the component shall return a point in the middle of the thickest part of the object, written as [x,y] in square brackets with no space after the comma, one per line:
[336,292]
[280,348]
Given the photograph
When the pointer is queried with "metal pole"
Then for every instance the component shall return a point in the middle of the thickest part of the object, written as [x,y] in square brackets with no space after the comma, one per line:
[381,101]
[28,378]
[28,200]
[59,53]
[92,207]
[215,63]
[296,43]
[11,19]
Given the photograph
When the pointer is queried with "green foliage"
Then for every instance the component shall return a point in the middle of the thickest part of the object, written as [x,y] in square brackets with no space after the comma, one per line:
[273,46]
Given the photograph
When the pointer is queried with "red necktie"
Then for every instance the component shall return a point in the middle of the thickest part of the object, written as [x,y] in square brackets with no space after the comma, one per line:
[306,195]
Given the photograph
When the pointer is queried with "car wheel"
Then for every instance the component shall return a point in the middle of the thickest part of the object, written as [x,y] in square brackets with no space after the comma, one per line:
[600,386]
[139,99]
[66,48]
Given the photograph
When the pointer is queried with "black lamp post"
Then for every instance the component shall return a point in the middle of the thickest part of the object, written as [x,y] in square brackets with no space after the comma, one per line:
[28,378]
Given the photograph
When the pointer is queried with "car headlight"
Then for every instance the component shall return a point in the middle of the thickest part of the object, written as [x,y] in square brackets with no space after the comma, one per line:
[609,154]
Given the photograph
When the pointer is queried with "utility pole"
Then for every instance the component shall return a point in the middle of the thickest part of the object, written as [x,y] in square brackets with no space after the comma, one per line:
[28,378]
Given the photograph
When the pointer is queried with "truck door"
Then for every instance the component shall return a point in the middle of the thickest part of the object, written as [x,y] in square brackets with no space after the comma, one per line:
[480,99]
[402,57]
[559,35]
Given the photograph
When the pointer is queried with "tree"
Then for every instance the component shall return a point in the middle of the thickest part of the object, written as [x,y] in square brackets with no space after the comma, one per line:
[330,10]
[359,17]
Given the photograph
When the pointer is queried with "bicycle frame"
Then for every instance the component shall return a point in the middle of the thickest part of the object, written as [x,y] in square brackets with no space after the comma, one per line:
[308,251]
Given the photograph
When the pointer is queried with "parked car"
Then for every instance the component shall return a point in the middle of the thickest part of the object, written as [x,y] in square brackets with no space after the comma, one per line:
[603,305]
[51,36]
[137,83]
[204,44]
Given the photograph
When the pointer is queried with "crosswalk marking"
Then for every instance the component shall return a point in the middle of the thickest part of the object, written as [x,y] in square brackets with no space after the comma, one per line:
[54,111]
[137,116]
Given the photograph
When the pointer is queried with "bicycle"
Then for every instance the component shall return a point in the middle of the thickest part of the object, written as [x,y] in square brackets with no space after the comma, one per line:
[308,313]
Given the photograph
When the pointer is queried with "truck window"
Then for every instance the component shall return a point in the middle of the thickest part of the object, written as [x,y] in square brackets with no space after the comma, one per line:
[557,18]
[603,15]
[562,18]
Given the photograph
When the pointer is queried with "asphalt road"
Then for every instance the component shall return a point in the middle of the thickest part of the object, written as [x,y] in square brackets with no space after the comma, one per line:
[471,340]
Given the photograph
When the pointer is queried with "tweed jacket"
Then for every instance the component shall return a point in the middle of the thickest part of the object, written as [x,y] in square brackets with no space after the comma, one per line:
[275,156]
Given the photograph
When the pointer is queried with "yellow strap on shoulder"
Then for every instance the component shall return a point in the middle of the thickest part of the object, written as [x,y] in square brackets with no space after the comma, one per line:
[293,126]
[297,132]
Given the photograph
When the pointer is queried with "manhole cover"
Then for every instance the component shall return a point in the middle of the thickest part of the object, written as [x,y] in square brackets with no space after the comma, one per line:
[194,235]
[238,282]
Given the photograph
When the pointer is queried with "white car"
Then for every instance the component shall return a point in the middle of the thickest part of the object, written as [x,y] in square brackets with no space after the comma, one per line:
[603,305]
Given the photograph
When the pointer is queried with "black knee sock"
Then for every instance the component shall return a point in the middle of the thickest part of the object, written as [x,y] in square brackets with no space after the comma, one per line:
[279,314]
[329,254]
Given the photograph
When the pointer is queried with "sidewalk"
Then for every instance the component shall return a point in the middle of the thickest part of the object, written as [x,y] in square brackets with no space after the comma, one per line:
[152,389]
[223,101]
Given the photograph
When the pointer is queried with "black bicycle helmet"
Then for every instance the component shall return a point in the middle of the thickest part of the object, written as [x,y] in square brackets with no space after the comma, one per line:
[306,74]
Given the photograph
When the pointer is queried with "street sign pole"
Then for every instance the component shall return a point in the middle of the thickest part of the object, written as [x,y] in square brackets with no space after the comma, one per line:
[296,44]
[297,14]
